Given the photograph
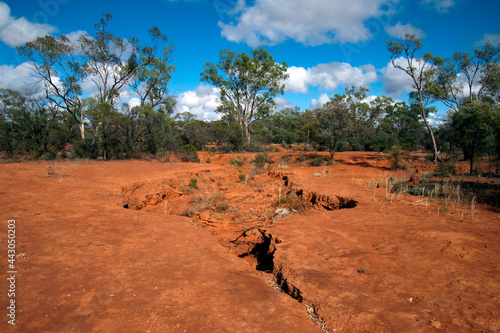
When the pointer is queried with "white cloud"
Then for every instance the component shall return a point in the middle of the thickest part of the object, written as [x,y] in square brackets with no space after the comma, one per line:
[318,103]
[311,22]
[395,80]
[399,30]
[19,78]
[441,6]
[201,102]
[16,32]
[282,103]
[435,119]
[329,76]
[488,38]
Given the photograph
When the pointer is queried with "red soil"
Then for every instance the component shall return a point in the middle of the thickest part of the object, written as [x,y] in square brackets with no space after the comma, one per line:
[359,259]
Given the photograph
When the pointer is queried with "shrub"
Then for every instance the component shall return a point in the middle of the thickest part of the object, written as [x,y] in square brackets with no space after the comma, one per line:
[193,183]
[399,187]
[317,160]
[189,154]
[395,159]
[445,170]
[242,176]
[238,161]
[260,160]
[293,202]
[188,212]
[49,156]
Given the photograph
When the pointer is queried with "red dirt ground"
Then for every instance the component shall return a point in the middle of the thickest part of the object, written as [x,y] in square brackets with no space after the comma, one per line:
[359,259]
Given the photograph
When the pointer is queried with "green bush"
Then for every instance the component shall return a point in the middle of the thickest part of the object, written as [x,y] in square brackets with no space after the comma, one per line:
[396,158]
[193,183]
[238,161]
[189,154]
[317,160]
[445,170]
[260,161]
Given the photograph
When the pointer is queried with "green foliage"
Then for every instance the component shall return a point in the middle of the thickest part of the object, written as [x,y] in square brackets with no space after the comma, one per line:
[260,161]
[445,170]
[317,160]
[474,123]
[238,161]
[189,153]
[193,183]
[242,177]
[335,125]
[395,159]
[247,84]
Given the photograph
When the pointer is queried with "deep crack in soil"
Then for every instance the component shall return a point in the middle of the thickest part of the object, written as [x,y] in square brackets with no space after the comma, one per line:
[237,213]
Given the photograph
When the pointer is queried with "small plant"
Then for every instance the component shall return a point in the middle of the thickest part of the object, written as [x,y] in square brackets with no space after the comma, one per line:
[445,170]
[362,270]
[396,159]
[293,202]
[317,160]
[217,217]
[189,154]
[260,161]
[208,160]
[399,187]
[188,212]
[193,183]
[242,177]
[238,161]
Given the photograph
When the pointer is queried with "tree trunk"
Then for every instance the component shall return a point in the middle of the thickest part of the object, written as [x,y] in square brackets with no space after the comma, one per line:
[471,169]
[429,129]
[81,126]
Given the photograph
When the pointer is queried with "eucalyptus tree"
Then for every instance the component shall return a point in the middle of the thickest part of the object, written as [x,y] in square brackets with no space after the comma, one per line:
[151,81]
[102,59]
[335,125]
[422,70]
[467,77]
[55,62]
[247,84]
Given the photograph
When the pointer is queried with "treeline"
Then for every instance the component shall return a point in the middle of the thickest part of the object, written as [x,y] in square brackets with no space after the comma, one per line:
[65,121]
[32,126]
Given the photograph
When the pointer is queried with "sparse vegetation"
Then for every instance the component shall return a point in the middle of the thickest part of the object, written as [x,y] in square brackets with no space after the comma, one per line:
[238,161]
[317,160]
[260,161]
[193,183]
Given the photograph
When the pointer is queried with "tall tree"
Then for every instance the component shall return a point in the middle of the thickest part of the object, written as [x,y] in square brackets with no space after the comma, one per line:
[151,81]
[467,77]
[475,121]
[247,84]
[335,125]
[422,70]
[55,62]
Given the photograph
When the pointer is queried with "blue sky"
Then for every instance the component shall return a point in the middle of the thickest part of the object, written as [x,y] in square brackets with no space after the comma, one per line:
[328,44]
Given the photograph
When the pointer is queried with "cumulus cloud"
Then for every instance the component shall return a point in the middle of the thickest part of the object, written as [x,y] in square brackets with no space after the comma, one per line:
[318,103]
[19,78]
[16,32]
[311,22]
[435,119]
[395,80]
[282,103]
[399,30]
[201,102]
[488,38]
[441,6]
[329,76]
